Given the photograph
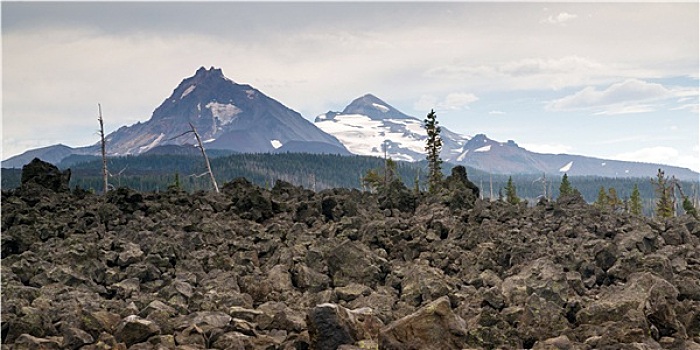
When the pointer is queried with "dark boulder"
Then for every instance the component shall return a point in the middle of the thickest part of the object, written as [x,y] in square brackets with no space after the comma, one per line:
[45,175]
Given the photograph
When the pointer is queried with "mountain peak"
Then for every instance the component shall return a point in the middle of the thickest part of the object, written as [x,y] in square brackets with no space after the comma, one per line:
[203,74]
[373,107]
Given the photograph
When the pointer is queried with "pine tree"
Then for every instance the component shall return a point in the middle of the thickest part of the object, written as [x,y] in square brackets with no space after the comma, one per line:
[635,201]
[177,185]
[380,179]
[372,180]
[433,148]
[511,195]
[664,203]
[613,200]
[565,188]
[690,208]
[602,201]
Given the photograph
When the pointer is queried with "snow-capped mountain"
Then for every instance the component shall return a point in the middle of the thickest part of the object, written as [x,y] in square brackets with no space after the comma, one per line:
[368,124]
[233,117]
[227,116]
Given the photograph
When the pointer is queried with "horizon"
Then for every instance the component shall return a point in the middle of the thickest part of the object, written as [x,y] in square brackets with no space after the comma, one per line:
[552,77]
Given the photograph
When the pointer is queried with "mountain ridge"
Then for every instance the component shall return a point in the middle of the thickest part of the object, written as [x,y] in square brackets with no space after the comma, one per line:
[232,117]
[404,138]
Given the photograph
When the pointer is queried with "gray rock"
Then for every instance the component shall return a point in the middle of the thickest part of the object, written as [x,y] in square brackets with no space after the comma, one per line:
[434,326]
[331,326]
[74,338]
[133,329]
[351,261]
[28,342]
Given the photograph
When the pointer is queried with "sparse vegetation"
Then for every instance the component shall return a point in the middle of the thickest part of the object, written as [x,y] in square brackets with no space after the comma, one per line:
[664,191]
[511,192]
[433,148]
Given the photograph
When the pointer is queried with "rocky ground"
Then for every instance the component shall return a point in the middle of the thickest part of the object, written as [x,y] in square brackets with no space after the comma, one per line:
[288,268]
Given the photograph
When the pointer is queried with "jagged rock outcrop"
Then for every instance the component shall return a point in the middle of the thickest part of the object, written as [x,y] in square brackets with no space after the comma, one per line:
[289,268]
[45,175]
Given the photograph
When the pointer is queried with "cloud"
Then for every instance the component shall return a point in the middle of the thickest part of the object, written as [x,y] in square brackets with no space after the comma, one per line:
[527,73]
[692,107]
[662,155]
[497,112]
[452,102]
[629,96]
[457,100]
[561,18]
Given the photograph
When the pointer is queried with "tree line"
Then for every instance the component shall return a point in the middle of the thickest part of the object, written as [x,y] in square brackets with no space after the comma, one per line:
[658,196]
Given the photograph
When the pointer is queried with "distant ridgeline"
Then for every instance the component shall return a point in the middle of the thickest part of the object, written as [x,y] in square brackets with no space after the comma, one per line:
[317,172]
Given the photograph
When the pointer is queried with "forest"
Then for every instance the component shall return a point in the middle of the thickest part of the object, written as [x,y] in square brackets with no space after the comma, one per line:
[156,173]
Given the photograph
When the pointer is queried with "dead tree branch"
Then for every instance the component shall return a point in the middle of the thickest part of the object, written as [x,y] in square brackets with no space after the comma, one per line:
[103,149]
[206,159]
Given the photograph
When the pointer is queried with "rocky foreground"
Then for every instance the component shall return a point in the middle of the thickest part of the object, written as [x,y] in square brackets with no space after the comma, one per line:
[288,268]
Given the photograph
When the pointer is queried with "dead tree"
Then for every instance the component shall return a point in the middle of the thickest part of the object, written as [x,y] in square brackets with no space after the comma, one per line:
[206,159]
[103,149]
[204,154]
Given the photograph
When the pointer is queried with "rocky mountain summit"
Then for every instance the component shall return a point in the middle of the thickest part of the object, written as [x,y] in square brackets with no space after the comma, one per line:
[289,268]
[227,115]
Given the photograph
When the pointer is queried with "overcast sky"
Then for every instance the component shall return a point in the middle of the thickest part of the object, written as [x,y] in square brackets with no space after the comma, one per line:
[609,80]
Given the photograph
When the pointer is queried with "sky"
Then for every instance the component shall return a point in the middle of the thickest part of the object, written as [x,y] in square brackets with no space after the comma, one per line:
[608,80]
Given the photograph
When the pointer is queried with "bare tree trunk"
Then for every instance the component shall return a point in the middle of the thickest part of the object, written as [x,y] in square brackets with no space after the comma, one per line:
[206,159]
[103,149]
[544,185]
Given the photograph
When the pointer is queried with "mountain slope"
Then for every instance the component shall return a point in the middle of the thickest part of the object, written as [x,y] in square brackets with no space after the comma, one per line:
[52,154]
[509,158]
[368,124]
[227,116]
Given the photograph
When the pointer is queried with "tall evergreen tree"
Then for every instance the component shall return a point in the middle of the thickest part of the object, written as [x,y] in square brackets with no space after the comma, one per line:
[511,193]
[614,201]
[565,188]
[635,201]
[664,189]
[433,148]
[601,201]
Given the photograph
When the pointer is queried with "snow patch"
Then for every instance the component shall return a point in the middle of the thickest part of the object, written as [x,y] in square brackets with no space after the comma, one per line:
[483,149]
[250,94]
[209,140]
[382,108]
[566,167]
[187,92]
[152,144]
[603,164]
[276,143]
[462,156]
[226,113]
[364,136]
